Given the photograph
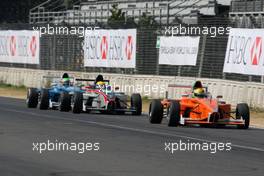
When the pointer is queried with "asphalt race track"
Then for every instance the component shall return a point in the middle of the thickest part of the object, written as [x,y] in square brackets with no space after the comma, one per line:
[129,146]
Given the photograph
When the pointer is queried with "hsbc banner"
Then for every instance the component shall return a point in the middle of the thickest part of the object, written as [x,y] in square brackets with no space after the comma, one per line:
[178,50]
[244,53]
[19,47]
[110,48]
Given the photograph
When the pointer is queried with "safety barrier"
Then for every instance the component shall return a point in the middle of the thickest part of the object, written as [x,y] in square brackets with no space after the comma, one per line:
[148,85]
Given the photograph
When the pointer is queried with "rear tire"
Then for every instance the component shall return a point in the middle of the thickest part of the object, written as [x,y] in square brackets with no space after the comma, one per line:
[32,98]
[174,116]
[65,102]
[44,99]
[77,103]
[136,102]
[155,112]
[242,110]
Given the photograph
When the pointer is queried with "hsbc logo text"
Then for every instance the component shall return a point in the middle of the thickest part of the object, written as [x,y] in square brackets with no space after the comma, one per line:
[245,50]
[23,46]
[129,47]
[4,49]
[256,51]
[113,48]
[110,48]
[244,53]
[13,45]
[19,47]
[33,46]
[104,47]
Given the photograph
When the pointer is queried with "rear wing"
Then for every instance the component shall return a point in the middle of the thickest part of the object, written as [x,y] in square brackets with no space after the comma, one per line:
[90,80]
[48,80]
[55,77]
[177,91]
[184,86]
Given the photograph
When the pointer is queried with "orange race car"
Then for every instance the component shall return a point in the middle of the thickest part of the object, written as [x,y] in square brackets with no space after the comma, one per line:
[198,107]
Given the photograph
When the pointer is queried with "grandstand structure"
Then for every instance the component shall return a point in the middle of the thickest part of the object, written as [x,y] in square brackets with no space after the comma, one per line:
[65,52]
[247,13]
[98,11]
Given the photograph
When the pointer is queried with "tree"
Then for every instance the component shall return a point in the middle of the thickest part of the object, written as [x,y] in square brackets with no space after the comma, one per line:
[117,17]
[68,3]
[147,21]
[16,10]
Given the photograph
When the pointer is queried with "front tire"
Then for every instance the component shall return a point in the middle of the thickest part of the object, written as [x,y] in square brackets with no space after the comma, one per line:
[242,111]
[136,102]
[32,98]
[155,112]
[65,102]
[77,103]
[174,116]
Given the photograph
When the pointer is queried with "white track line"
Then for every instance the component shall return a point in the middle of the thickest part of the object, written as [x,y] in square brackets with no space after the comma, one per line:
[256,127]
[251,126]
[131,129]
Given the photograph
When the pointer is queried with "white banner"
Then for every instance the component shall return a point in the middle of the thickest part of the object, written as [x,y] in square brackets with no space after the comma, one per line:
[178,50]
[245,52]
[19,47]
[110,48]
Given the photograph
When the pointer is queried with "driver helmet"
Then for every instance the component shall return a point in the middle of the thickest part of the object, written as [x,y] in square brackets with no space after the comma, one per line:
[197,84]
[198,89]
[99,78]
[100,83]
[198,92]
[65,79]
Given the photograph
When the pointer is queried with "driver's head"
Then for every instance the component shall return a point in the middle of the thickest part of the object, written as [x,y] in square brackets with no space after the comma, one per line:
[65,79]
[198,92]
[100,83]
[197,84]
[99,78]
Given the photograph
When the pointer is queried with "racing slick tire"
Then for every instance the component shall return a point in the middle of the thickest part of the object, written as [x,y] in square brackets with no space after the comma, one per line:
[155,112]
[109,109]
[32,98]
[44,99]
[242,110]
[136,102]
[174,116]
[65,102]
[77,103]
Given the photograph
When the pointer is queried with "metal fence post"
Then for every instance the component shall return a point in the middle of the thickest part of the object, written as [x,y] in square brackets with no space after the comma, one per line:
[202,56]
[157,66]
[179,71]
[168,14]
[53,55]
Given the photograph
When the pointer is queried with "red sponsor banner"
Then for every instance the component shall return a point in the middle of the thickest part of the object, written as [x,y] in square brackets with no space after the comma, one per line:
[244,53]
[19,47]
[110,48]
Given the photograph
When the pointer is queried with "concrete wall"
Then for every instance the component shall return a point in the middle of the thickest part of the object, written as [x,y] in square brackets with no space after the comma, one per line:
[148,85]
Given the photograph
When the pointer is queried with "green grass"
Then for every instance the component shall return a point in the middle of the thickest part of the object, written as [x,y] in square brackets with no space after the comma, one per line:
[9,86]
[257,110]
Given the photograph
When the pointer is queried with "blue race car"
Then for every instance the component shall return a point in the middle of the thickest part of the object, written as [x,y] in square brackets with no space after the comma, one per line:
[58,96]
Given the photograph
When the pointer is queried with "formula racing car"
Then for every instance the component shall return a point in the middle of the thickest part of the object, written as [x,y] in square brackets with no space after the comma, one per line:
[99,96]
[57,96]
[198,107]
